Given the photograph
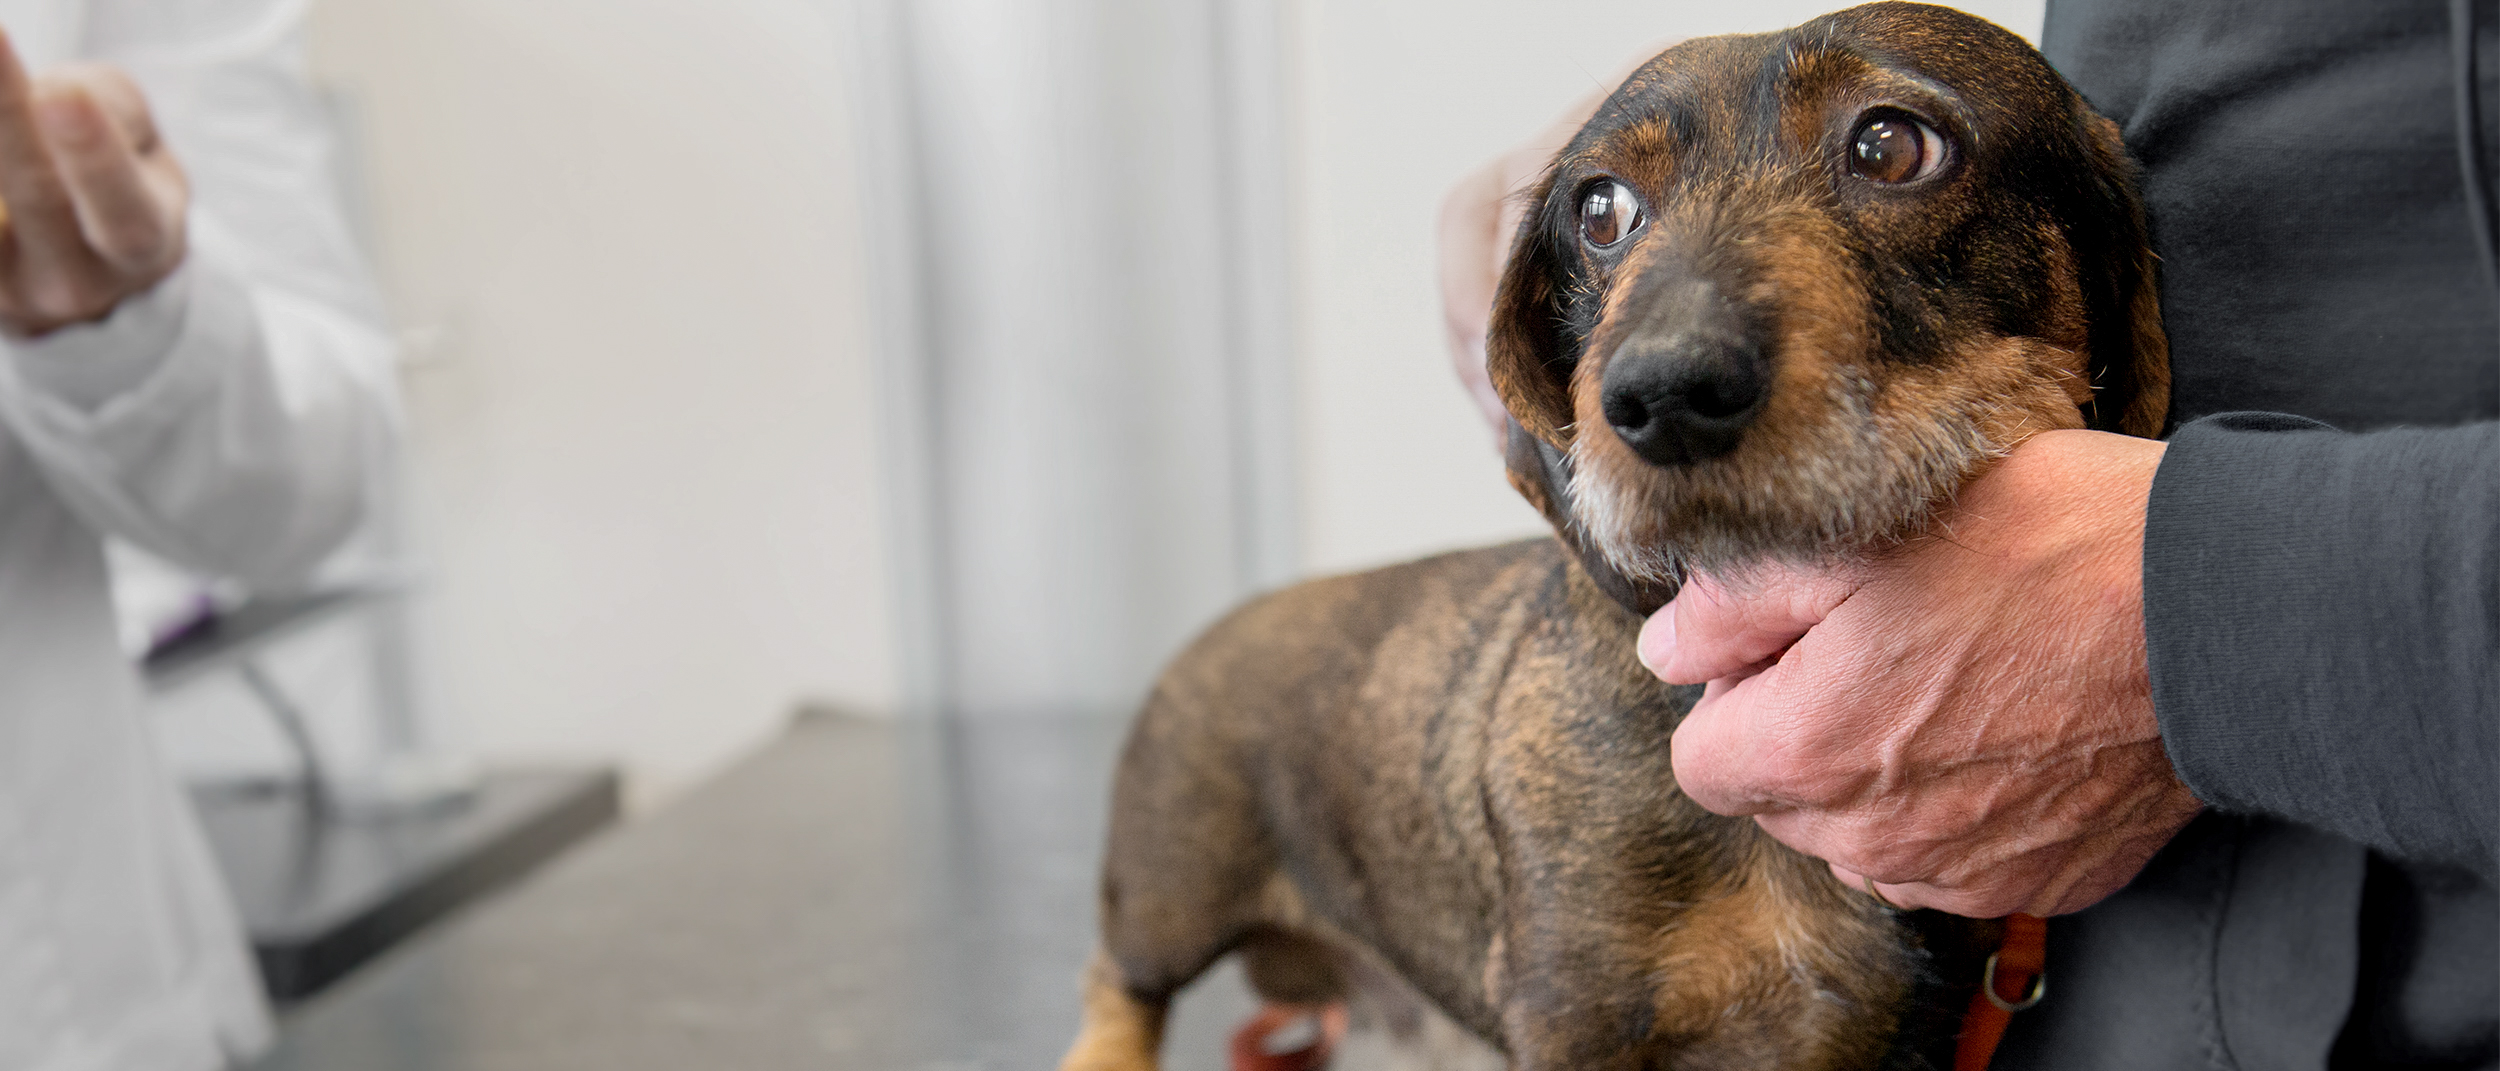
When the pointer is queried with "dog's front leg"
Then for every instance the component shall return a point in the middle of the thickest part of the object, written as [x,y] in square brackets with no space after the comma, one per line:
[1576,1019]
[1120,1031]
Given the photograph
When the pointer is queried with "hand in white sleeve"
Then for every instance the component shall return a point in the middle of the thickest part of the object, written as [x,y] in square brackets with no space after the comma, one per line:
[95,200]
[195,361]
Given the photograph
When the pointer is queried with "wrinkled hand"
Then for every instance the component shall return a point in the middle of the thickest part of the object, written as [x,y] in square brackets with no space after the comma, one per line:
[1966,719]
[95,201]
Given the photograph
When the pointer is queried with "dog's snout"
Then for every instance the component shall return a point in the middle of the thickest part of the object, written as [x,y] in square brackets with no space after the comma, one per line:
[1686,394]
[1683,409]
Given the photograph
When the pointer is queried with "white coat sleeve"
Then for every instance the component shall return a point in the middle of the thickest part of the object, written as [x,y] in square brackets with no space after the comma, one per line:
[238,417]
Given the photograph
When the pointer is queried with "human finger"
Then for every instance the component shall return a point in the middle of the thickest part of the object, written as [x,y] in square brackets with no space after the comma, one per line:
[1734,755]
[100,173]
[1870,841]
[1712,630]
[115,93]
[1991,902]
[123,218]
[1897,897]
[41,219]
[1920,896]
[2043,883]
[126,106]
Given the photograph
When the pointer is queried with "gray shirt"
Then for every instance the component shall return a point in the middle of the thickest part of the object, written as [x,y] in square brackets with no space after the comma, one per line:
[2322,603]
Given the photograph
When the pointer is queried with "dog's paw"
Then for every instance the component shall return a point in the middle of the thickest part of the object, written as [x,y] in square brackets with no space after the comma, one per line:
[1109,1050]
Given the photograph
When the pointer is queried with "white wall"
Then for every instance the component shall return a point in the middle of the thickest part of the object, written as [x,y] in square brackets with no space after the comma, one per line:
[1395,100]
[645,457]
[1089,356]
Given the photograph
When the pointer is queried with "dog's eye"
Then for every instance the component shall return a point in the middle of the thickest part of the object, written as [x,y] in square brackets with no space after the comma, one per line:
[1893,149]
[1609,212]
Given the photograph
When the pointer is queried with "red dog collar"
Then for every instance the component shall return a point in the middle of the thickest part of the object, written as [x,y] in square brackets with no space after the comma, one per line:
[2016,978]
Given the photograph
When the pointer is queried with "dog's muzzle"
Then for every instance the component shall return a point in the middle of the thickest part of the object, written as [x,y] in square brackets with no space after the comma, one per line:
[1688,378]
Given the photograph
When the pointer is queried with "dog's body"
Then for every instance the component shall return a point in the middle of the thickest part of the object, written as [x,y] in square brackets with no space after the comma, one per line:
[1458,767]
[1455,772]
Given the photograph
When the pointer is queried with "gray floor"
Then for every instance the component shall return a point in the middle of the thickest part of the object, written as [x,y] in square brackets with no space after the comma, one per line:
[857,896]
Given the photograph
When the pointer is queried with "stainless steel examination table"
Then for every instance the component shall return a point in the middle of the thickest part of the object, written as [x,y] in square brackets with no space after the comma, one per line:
[857,895]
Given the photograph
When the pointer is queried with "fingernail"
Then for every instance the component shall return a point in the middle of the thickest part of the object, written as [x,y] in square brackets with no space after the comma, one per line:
[1657,641]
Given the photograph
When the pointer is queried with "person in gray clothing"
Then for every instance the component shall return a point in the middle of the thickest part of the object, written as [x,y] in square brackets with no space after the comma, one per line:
[2321,590]
[2229,705]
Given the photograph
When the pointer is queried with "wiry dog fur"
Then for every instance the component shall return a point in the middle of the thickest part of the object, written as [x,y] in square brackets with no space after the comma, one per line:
[1913,333]
[1447,784]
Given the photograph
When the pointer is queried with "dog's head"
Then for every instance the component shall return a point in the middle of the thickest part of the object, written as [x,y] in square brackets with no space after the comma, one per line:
[1785,293]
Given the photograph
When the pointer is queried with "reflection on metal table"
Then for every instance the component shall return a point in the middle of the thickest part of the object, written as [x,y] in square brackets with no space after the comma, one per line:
[323,887]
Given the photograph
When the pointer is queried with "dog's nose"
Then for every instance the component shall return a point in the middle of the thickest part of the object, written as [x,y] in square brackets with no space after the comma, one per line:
[1687,400]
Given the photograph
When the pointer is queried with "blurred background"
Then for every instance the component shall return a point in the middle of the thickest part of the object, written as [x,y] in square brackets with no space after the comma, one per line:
[907,356]
[917,361]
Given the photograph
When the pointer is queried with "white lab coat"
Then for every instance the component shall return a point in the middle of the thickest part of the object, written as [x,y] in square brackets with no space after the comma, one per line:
[234,420]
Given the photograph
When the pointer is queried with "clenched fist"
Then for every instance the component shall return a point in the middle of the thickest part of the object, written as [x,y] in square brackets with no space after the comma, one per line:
[95,202]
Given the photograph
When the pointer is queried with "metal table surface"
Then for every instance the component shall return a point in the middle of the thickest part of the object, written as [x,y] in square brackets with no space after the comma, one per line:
[857,895]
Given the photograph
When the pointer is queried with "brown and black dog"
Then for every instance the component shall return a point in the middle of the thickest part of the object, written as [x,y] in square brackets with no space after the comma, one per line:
[1778,300]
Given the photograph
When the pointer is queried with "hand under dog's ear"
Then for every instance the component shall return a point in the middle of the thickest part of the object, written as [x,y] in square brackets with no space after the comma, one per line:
[1526,353]
[2130,354]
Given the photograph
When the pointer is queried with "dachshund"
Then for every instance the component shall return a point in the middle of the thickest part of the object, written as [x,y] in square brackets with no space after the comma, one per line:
[1777,301]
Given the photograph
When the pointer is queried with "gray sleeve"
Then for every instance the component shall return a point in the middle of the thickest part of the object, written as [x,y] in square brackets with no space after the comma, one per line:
[2322,619]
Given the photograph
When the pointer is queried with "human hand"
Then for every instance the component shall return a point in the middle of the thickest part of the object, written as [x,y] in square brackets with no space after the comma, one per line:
[95,202]
[1478,217]
[1966,719]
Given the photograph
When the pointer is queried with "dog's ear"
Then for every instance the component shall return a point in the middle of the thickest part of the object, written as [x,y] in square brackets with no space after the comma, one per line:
[1530,360]
[1525,350]
[1535,480]
[2130,355]
[1541,472]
